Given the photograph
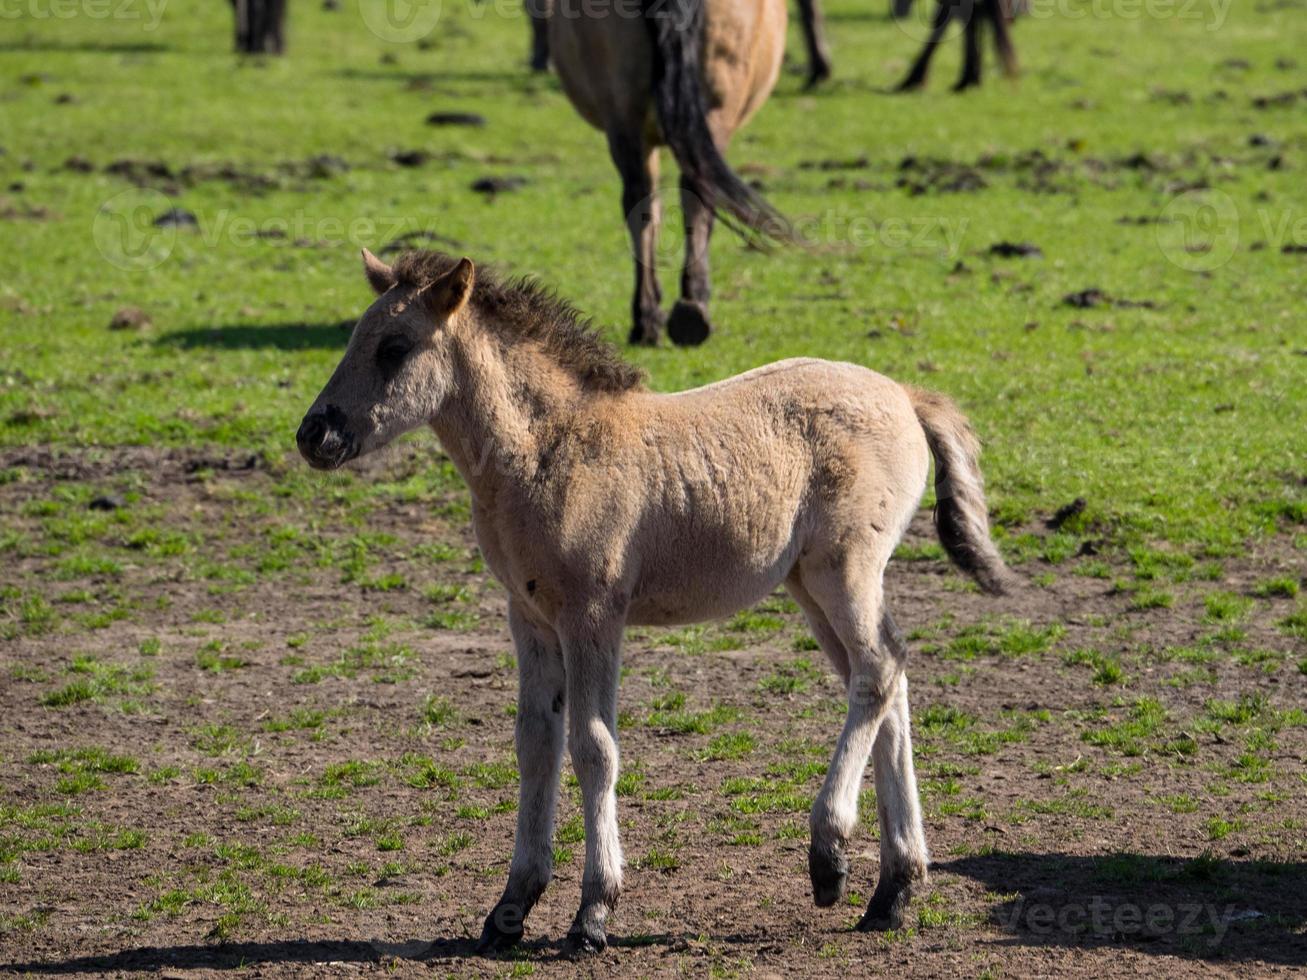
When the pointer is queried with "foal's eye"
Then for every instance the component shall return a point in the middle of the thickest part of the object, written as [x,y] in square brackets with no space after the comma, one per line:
[391,353]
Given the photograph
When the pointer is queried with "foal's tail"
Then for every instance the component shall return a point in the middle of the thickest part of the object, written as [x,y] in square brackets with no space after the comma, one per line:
[676,28]
[961,517]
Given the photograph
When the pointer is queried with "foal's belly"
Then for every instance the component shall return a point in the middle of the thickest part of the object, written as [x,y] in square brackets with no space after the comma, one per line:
[706,581]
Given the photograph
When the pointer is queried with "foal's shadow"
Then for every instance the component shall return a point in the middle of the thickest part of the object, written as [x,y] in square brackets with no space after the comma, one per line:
[282,336]
[244,956]
[1204,908]
[236,956]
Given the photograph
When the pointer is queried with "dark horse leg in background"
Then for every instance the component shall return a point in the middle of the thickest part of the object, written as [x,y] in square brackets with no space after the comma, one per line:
[996,13]
[688,324]
[260,26]
[638,166]
[975,13]
[538,13]
[814,36]
[944,11]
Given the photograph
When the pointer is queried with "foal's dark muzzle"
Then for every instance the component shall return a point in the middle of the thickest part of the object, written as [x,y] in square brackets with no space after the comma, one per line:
[323,440]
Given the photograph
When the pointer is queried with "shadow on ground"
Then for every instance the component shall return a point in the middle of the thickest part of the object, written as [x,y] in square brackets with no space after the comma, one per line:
[243,956]
[1200,908]
[282,336]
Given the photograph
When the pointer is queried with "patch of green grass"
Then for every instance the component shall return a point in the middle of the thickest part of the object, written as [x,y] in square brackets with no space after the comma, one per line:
[669,712]
[1280,587]
[1106,671]
[728,745]
[1225,607]
[1133,730]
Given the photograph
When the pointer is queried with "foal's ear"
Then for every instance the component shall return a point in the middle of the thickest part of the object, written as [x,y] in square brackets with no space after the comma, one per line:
[379,275]
[449,294]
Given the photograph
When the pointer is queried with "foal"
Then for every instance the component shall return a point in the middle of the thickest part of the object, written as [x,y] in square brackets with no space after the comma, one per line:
[598,504]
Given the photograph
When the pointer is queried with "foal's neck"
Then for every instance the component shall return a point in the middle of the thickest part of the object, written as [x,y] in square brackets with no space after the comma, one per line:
[505,398]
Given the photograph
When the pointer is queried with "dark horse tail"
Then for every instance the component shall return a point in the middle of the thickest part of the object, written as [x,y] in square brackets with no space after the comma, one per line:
[676,29]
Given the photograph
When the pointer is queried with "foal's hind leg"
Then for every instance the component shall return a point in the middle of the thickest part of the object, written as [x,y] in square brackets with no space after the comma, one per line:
[903,857]
[539,731]
[638,166]
[688,323]
[850,596]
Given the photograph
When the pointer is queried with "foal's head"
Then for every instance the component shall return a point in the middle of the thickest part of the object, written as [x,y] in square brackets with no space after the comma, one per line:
[397,370]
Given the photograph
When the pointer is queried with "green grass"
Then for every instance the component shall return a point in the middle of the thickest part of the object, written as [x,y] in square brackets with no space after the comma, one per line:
[244,325]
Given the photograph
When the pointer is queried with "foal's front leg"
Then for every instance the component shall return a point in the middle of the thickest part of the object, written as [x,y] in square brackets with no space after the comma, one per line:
[541,696]
[593,661]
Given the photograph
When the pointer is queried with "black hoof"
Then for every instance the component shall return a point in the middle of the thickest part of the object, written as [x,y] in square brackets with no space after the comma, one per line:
[965,83]
[910,85]
[502,930]
[829,870]
[888,905]
[688,324]
[587,936]
[647,328]
[816,75]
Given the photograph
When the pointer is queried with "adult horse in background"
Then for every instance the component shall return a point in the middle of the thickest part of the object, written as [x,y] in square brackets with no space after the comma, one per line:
[260,26]
[974,14]
[688,74]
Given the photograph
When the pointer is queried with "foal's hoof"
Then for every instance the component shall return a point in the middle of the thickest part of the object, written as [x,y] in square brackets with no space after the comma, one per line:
[688,324]
[587,936]
[888,905]
[502,930]
[584,942]
[829,870]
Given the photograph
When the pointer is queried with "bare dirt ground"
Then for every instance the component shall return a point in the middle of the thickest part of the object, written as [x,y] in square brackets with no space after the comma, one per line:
[294,773]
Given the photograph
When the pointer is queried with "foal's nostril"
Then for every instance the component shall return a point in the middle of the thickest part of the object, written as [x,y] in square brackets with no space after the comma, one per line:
[311,433]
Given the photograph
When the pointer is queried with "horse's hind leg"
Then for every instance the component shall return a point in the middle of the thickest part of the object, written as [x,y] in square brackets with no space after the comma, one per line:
[850,595]
[903,856]
[638,166]
[539,731]
[916,78]
[688,324]
[814,36]
[979,12]
[1007,52]
[538,13]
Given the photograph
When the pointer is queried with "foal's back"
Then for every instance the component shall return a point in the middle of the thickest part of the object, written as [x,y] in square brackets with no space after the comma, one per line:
[741,479]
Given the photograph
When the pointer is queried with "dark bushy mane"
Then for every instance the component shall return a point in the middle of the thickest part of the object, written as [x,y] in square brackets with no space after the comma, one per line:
[520,309]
